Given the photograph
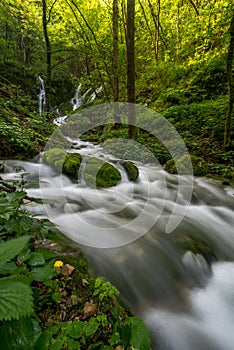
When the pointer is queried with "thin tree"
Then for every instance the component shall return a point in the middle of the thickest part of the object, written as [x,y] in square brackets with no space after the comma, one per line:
[227,130]
[48,52]
[132,129]
[115,26]
[156,20]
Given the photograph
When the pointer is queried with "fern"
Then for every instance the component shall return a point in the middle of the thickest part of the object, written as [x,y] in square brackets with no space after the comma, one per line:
[11,248]
[16,300]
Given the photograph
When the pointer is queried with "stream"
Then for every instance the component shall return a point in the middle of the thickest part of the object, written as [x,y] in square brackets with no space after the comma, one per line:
[184,295]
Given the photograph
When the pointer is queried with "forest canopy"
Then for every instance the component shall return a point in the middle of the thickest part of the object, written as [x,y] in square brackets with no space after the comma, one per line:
[178,62]
[187,36]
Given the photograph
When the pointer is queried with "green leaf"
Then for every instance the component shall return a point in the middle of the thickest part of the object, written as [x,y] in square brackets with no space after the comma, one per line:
[16,195]
[97,346]
[25,254]
[36,259]
[126,334]
[90,329]
[43,342]
[73,345]
[19,334]
[7,268]
[20,224]
[57,345]
[16,300]
[43,273]
[98,282]
[76,329]
[56,296]
[47,254]
[9,249]
[140,337]
[115,339]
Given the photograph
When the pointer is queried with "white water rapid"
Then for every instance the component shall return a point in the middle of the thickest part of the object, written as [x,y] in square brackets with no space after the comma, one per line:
[181,283]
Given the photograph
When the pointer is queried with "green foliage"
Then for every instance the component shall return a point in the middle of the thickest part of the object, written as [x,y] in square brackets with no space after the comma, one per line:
[182,166]
[128,149]
[42,307]
[9,249]
[139,335]
[104,290]
[16,300]
[23,132]
[19,334]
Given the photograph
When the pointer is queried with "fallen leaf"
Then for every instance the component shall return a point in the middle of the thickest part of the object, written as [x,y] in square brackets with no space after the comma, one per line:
[85,282]
[67,270]
[90,309]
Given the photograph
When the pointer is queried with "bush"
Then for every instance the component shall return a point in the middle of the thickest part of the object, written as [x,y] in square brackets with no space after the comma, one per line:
[182,165]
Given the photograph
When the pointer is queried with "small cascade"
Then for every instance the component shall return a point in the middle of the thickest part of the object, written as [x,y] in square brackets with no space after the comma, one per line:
[77,101]
[180,283]
[41,96]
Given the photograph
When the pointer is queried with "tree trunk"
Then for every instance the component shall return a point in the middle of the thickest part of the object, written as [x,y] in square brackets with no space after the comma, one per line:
[115,22]
[132,129]
[156,21]
[227,130]
[48,55]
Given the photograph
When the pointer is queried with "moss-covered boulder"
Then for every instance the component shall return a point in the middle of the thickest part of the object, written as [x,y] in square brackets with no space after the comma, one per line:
[71,164]
[132,170]
[182,165]
[60,160]
[194,243]
[99,174]
[55,157]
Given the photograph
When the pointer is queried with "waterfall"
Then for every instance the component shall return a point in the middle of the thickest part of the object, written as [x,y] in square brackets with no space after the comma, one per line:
[41,96]
[76,102]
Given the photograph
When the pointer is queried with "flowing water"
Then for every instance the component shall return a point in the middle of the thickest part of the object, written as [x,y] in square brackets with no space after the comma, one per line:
[184,294]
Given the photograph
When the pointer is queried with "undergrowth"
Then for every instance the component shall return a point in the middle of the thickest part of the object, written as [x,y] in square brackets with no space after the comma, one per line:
[48,300]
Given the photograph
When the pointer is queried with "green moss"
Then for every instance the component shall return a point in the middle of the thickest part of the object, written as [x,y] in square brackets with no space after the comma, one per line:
[55,157]
[182,165]
[101,174]
[59,159]
[71,164]
[132,170]
[194,243]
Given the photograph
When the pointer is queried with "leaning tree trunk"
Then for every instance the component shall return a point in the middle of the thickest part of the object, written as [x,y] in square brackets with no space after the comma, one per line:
[132,129]
[227,130]
[48,55]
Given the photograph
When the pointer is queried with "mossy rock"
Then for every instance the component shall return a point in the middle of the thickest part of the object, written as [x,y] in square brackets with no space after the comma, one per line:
[183,165]
[99,174]
[71,165]
[132,170]
[196,244]
[60,160]
[55,157]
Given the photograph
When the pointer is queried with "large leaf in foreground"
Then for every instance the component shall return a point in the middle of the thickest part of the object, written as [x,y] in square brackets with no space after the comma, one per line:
[16,300]
[11,248]
[19,334]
